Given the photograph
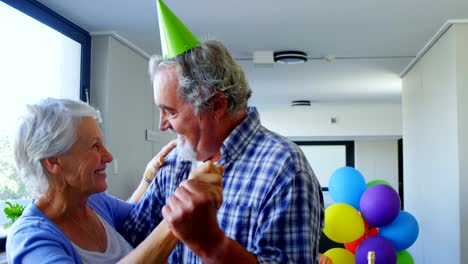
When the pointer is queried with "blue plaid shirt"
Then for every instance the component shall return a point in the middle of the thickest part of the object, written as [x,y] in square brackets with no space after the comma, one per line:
[272,201]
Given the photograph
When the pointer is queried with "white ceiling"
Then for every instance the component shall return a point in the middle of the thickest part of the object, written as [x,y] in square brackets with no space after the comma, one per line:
[373,40]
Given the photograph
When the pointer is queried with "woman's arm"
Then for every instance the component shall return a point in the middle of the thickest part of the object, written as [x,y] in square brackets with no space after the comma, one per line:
[151,170]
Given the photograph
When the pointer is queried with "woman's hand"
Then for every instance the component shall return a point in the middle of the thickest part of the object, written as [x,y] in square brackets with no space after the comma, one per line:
[157,161]
[212,174]
[151,170]
[324,259]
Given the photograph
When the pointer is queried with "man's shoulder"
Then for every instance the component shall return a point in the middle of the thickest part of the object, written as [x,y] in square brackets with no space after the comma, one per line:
[281,151]
[275,142]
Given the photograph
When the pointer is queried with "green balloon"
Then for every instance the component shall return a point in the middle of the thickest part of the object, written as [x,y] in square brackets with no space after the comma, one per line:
[404,257]
[375,182]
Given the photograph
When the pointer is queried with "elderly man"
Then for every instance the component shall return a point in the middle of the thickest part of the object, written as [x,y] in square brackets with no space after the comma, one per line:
[272,209]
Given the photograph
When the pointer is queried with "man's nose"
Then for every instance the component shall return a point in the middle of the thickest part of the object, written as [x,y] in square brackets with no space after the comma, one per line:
[163,122]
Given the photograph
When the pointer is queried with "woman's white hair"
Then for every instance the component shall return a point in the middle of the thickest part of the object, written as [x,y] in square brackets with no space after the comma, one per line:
[47,129]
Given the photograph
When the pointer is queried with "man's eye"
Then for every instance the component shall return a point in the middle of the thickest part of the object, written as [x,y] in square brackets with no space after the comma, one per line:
[172,114]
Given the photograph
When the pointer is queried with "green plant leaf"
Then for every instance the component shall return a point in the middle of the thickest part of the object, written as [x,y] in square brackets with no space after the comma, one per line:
[13,212]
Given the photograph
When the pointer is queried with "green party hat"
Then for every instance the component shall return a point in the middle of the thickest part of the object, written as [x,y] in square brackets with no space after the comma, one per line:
[175,36]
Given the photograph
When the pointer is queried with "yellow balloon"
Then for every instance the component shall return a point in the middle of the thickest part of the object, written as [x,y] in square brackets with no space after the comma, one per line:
[343,223]
[340,256]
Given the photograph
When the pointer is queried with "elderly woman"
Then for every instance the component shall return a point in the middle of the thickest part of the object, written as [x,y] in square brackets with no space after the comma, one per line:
[59,151]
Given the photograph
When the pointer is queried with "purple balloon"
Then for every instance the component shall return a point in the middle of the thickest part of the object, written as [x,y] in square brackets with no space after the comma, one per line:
[379,205]
[384,251]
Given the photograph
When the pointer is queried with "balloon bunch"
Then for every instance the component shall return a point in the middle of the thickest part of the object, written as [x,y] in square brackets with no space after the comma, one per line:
[367,217]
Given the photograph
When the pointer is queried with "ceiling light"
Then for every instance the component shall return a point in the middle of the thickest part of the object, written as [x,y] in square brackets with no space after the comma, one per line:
[290,57]
[300,103]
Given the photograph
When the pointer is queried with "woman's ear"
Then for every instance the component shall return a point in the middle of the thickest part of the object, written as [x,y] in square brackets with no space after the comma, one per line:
[53,169]
[51,165]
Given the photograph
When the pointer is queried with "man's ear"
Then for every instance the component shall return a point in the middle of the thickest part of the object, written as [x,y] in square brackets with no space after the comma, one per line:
[51,164]
[220,104]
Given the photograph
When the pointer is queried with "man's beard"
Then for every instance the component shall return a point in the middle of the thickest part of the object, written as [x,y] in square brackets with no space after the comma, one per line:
[186,151]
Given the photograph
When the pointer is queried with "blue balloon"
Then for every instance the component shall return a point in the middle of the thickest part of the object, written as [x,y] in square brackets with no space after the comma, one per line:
[346,185]
[402,232]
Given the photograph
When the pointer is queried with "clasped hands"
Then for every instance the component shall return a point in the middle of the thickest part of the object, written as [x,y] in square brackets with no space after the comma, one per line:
[191,211]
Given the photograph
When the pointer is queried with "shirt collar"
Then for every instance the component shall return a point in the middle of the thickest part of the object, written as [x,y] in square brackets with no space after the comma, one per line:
[241,136]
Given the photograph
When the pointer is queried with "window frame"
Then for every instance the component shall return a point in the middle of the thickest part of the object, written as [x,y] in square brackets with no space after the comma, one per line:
[52,19]
[349,149]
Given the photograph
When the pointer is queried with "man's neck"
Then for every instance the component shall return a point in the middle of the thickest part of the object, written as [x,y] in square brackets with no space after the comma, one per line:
[225,128]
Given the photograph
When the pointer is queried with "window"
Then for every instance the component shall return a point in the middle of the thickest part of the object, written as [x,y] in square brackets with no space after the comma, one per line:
[325,157]
[42,55]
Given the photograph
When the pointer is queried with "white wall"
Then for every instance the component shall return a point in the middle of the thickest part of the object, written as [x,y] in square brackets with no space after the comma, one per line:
[434,92]
[377,159]
[121,89]
[462,104]
[353,121]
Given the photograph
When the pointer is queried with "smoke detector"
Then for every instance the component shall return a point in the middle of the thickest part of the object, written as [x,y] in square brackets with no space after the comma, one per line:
[300,103]
[290,57]
[329,58]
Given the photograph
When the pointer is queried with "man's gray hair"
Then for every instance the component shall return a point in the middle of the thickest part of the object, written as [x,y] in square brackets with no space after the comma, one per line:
[47,129]
[202,72]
